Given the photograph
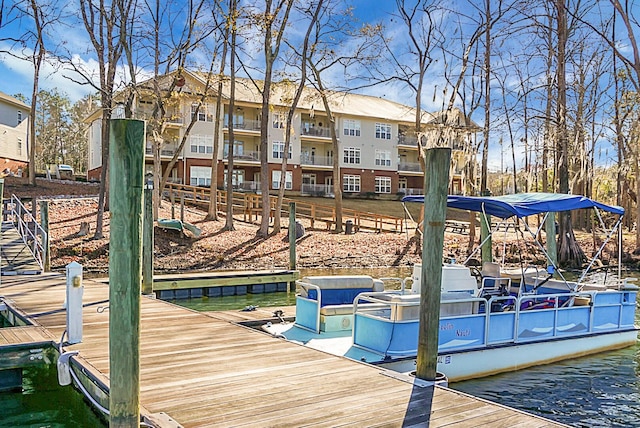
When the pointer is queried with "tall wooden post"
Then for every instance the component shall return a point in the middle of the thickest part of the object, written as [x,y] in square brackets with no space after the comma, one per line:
[292,235]
[2,199]
[147,238]
[44,223]
[552,244]
[436,183]
[486,250]
[182,207]
[126,160]
[485,231]
[292,241]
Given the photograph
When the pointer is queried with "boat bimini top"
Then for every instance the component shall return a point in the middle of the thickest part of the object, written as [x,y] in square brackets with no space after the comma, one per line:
[526,204]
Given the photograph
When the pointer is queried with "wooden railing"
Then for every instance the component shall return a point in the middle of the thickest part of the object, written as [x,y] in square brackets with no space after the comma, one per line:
[249,206]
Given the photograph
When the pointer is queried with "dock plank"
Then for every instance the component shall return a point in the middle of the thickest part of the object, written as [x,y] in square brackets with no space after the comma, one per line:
[204,371]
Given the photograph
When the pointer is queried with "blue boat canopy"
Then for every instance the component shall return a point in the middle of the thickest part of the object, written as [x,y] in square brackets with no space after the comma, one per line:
[522,204]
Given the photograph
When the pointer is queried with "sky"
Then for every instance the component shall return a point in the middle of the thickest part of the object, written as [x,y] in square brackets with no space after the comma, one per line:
[16,76]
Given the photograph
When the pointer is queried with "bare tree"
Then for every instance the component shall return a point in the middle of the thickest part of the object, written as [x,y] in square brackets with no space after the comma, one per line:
[292,108]
[233,24]
[332,25]
[272,21]
[212,213]
[107,27]
[569,253]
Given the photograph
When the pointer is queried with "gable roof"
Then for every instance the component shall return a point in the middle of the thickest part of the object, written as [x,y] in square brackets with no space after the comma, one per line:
[14,101]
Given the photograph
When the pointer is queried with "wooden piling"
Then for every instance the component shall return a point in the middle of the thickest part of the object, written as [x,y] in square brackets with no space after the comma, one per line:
[126,160]
[552,245]
[44,223]
[292,242]
[292,235]
[2,199]
[485,231]
[147,240]
[436,183]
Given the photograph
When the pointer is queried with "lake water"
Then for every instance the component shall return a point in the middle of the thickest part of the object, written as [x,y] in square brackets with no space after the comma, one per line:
[596,391]
[43,403]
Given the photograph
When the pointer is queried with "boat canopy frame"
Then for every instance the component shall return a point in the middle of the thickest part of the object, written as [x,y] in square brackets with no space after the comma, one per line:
[523,205]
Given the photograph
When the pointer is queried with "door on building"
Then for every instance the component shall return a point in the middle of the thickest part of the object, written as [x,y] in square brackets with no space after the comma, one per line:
[308,183]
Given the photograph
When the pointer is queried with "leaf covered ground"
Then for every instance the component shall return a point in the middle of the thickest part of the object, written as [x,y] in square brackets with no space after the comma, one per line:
[240,249]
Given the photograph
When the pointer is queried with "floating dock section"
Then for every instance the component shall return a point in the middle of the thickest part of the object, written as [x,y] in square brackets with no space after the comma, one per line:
[217,284]
[197,370]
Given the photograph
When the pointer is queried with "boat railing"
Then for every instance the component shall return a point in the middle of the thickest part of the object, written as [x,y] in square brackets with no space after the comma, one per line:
[498,320]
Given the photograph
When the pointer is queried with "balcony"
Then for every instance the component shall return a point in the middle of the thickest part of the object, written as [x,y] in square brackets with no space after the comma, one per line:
[245,186]
[411,191]
[319,190]
[309,129]
[409,167]
[248,156]
[307,159]
[165,151]
[245,125]
[408,140]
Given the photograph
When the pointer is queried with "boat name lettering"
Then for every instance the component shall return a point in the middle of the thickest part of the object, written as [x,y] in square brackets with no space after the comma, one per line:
[447,326]
[463,333]
[446,359]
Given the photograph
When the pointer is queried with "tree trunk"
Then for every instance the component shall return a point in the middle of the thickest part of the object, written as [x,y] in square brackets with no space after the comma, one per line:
[569,253]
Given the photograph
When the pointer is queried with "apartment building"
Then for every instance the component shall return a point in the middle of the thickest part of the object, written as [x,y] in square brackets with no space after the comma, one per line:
[14,133]
[378,149]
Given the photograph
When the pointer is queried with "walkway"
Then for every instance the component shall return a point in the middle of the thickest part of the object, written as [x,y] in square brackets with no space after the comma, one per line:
[16,257]
[205,371]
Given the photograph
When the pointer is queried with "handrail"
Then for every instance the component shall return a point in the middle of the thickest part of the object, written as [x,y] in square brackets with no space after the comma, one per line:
[252,204]
[22,219]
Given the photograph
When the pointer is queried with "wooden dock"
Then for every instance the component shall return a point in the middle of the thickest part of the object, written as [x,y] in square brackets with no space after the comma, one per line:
[202,370]
[16,257]
[223,283]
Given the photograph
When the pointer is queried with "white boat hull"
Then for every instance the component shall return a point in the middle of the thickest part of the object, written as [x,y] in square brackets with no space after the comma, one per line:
[465,365]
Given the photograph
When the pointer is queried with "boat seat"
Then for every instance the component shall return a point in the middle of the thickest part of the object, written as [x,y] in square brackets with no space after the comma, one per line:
[338,290]
[493,284]
[336,310]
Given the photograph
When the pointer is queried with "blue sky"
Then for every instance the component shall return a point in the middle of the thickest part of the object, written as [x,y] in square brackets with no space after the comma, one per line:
[16,75]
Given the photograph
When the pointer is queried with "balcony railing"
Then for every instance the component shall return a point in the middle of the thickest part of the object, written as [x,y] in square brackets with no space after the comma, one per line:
[316,189]
[246,186]
[252,156]
[164,151]
[408,140]
[409,166]
[246,125]
[316,131]
[411,191]
[306,159]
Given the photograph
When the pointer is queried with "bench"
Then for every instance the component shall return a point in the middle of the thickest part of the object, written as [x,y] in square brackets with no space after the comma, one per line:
[457,226]
[325,303]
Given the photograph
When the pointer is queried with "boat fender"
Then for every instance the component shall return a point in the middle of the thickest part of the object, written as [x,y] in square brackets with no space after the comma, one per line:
[64,368]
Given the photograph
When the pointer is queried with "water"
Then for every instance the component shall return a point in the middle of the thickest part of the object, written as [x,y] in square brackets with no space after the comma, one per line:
[602,390]
[43,403]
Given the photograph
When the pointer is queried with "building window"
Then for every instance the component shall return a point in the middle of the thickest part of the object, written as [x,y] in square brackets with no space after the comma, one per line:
[19,146]
[238,148]
[200,176]
[383,158]
[201,144]
[279,119]
[19,117]
[351,127]
[203,112]
[351,183]
[383,184]
[237,178]
[352,155]
[278,150]
[275,180]
[383,131]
